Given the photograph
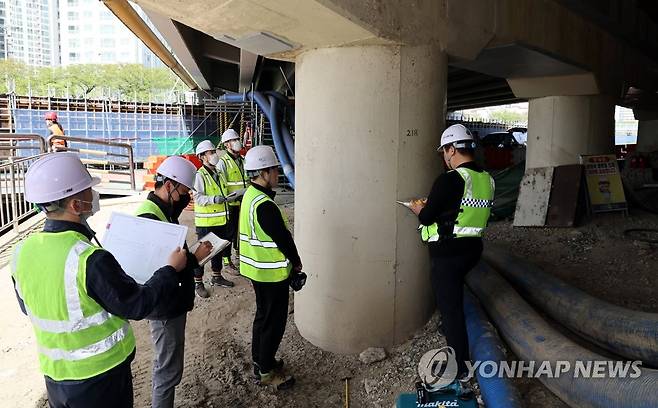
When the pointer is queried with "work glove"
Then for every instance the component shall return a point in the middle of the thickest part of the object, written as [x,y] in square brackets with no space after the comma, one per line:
[218,199]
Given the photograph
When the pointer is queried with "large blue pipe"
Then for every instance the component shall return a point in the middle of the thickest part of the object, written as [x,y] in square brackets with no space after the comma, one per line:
[285,133]
[625,332]
[533,339]
[486,346]
[269,109]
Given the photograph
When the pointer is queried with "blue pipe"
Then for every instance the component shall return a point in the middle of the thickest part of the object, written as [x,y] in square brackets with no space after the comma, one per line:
[280,147]
[285,133]
[628,333]
[269,109]
[486,346]
[533,339]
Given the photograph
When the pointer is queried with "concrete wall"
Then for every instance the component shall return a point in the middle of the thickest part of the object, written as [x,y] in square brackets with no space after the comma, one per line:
[368,123]
[561,128]
[647,136]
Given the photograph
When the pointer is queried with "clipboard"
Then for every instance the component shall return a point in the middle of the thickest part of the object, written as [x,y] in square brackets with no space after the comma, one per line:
[141,245]
[218,245]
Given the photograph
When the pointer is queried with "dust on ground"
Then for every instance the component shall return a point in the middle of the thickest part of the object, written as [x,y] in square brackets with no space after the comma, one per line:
[596,258]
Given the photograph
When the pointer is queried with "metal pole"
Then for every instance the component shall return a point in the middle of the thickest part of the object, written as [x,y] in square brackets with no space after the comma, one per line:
[14,210]
[131,164]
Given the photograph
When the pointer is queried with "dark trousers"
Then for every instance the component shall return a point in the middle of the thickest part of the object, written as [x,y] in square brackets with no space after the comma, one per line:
[216,261]
[113,389]
[233,226]
[447,278]
[269,323]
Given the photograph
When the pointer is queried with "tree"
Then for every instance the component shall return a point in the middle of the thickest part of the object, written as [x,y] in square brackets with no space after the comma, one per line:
[88,80]
[507,116]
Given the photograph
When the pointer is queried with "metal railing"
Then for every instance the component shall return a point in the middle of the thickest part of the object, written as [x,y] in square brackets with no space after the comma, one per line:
[11,146]
[103,162]
[14,208]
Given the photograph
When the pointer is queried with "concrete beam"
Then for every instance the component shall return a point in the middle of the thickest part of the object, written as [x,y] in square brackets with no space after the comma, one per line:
[565,85]
[302,24]
[173,37]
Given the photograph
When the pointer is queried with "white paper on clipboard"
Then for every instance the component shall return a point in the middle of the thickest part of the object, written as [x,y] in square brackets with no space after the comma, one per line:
[140,245]
[218,245]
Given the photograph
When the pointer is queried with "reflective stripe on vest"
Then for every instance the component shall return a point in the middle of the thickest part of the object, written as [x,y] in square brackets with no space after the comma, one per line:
[76,338]
[214,214]
[235,179]
[475,207]
[260,258]
[149,207]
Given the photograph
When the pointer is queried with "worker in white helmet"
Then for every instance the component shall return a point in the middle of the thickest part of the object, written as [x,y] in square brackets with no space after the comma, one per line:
[268,257]
[231,166]
[452,222]
[173,181]
[77,296]
[211,202]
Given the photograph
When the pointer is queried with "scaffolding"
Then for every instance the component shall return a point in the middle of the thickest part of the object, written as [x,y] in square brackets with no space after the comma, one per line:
[151,128]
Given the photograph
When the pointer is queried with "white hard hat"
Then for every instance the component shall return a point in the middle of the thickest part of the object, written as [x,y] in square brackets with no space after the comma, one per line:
[229,135]
[56,176]
[204,147]
[457,133]
[260,157]
[178,169]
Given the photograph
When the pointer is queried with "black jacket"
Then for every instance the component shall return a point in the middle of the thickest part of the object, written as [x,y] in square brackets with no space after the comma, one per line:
[443,206]
[109,285]
[182,301]
[271,221]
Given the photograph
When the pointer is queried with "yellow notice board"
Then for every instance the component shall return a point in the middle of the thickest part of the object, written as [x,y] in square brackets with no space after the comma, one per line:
[606,192]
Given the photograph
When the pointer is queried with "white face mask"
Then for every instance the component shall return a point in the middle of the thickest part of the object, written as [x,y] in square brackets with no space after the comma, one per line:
[213,159]
[236,145]
[95,205]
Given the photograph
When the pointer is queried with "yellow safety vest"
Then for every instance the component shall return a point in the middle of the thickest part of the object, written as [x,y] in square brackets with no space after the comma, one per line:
[474,210]
[214,214]
[76,338]
[260,258]
[235,179]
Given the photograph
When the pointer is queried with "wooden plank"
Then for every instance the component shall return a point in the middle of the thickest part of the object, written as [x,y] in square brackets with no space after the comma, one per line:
[566,196]
[534,195]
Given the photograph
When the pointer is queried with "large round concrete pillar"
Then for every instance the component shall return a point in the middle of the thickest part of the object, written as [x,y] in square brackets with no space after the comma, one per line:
[561,128]
[647,136]
[368,121]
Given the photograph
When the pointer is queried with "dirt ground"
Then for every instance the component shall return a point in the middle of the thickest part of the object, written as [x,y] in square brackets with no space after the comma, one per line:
[595,257]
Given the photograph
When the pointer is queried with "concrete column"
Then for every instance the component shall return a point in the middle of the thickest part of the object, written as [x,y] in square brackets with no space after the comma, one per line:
[368,121]
[647,136]
[561,128]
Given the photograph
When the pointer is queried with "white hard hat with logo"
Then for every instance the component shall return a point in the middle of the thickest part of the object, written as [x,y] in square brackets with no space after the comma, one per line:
[456,134]
[56,176]
[178,169]
[229,135]
[260,157]
[204,146]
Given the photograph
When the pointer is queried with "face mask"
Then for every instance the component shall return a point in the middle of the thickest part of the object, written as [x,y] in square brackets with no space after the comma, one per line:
[95,205]
[236,145]
[213,159]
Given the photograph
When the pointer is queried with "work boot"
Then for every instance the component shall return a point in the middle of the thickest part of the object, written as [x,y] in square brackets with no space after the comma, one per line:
[231,269]
[201,290]
[277,380]
[278,366]
[218,280]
